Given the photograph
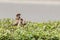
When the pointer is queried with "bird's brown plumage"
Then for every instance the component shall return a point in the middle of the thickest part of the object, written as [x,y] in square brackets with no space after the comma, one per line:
[18,20]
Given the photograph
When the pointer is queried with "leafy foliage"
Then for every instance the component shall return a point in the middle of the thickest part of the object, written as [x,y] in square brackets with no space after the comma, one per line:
[31,31]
